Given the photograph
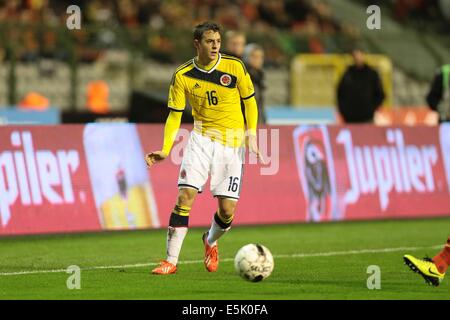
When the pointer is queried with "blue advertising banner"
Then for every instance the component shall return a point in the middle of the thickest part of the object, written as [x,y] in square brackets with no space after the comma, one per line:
[20,116]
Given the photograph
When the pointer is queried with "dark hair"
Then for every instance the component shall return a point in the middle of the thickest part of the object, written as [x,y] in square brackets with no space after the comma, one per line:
[203,27]
[357,47]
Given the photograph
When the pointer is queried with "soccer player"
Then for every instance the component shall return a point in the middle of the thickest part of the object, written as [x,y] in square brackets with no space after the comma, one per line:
[214,84]
[432,270]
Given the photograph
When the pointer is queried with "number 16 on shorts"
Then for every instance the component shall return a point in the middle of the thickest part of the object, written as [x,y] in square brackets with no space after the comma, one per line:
[234,184]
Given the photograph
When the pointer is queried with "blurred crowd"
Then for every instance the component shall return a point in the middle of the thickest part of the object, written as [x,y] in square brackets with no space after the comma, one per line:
[154,27]
[233,14]
[309,20]
[258,15]
[422,9]
[430,14]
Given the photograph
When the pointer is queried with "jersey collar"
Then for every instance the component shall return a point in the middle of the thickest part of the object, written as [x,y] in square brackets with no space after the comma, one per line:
[212,69]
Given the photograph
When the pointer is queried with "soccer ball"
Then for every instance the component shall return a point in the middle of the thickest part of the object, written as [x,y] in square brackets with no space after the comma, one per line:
[254,262]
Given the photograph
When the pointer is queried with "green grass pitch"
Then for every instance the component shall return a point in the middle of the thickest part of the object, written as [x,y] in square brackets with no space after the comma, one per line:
[312,261]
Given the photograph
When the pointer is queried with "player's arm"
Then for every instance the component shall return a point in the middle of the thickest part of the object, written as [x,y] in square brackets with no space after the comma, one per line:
[176,104]
[170,132]
[247,93]
[251,115]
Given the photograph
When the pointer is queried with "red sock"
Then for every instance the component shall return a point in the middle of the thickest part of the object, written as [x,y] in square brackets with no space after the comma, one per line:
[442,260]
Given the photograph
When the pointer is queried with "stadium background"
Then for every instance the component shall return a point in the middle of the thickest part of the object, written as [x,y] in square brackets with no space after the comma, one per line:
[134,45]
[124,56]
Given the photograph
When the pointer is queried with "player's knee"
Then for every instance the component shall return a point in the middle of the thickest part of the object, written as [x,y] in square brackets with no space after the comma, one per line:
[227,208]
[186,197]
[227,214]
[223,219]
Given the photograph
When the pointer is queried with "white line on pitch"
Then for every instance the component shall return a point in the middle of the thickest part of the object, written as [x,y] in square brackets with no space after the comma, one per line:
[295,255]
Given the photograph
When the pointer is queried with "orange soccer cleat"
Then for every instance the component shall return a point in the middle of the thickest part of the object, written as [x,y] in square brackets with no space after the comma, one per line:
[211,255]
[165,267]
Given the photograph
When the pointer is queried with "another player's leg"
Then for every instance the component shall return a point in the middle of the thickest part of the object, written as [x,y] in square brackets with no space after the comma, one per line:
[442,260]
[221,223]
[177,230]
[432,270]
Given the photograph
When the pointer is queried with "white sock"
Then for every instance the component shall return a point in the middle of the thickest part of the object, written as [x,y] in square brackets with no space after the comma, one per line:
[215,232]
[175,237]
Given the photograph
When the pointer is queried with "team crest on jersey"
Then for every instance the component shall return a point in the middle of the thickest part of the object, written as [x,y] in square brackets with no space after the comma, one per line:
[225,80]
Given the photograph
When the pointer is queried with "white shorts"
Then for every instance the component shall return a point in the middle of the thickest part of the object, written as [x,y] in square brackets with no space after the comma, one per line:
[203,157]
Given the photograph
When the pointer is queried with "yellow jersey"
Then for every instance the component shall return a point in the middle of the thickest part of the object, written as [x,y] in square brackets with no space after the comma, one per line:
[215,97]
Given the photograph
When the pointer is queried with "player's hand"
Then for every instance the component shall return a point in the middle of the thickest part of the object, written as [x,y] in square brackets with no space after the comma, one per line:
[253,148]
[154,157]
